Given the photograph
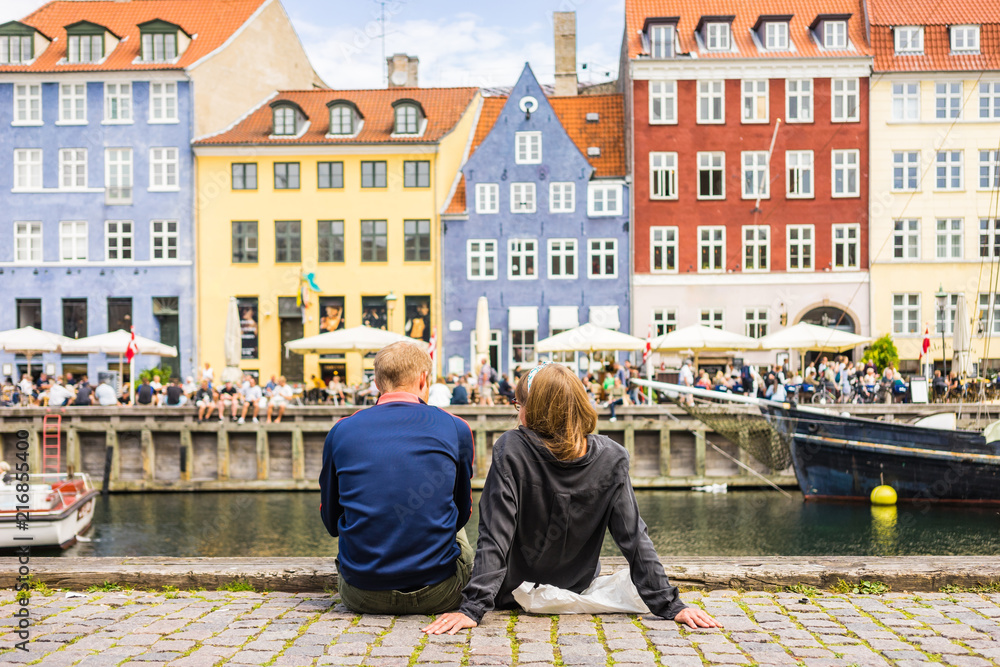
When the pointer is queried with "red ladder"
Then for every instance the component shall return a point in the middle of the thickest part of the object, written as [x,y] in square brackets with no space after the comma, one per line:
[51,435]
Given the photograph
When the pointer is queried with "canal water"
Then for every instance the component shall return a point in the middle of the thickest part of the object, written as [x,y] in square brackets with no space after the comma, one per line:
[745,523]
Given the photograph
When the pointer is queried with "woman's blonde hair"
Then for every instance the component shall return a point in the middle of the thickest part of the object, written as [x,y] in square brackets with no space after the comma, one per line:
[557,409]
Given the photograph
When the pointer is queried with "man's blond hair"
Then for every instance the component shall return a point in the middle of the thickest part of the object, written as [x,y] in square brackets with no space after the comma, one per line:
[400,365]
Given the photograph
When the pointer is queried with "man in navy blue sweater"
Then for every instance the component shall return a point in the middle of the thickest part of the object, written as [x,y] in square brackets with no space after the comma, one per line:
[396,490]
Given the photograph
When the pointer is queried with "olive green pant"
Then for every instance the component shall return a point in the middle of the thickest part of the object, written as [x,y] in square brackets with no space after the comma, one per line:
[433,599]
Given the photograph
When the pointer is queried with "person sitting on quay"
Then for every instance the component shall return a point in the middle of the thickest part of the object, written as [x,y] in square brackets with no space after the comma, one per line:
[173,393]
[229,396]
[105,395]
[156,384]
[252,395]
[59,394]
[460,395]
[145,395]
[396,490]
[335,390]
[84,392]
[439,394]
[204,400]
[280,397]
[553,491]
[505,389]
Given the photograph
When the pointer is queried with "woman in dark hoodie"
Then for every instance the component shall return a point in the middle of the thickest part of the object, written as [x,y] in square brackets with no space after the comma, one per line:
[552,492]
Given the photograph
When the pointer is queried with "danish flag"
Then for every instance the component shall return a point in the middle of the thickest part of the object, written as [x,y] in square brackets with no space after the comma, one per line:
[927,341]
[432,344]
[132,348]
[648,350]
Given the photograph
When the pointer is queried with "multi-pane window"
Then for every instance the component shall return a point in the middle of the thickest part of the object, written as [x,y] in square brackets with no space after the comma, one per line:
[162,102]
[72,168]
[562,258]
[163,169]
[712,101]
[799,100]
[562,197]
[948,100]
[84,48]
[846,246]
[949,238]
[964,38]
[27,104]
[27,168]
[522,255]
[407,119]
[73,241]
[341,119]
[119,313]
[117,102]
[909,39]
[329,175]
[602,257]
[835,34]
[948,170]
[286,175]
[906,313]
[16,49]
[845,172]
[989,237]
[906,101]
[755,101]
[330,241]
[159,46]
[755,320]
[245,242]
[417,240]
[664,321]
[661,41]
[845,100]
[663,175]
[776,35]
[989,99]
[712,248]
[905,170]
[373,174]
[756,182]
[663,249]
[989,169]
[522,197]
[73,103]
[374,241]
[522,343]
[756,247]
[482,259]
[118,175]
[711,175]
[528,147]
[989,312]
[416,174]
[906,239]
[287,241]
[74,312]
[799,165]
[29,313]
[717,36]
[944,319]
[118,240]
[27,241]
[711,317]
[487,198]
[662,102]
[284,120]
[244,175]
[163,240]
[800,247]
[604,199]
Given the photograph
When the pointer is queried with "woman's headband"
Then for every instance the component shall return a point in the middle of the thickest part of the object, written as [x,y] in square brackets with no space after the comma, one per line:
[534,371]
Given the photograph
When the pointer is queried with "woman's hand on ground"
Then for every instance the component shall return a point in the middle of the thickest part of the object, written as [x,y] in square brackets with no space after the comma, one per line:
[451,623]
[694,618]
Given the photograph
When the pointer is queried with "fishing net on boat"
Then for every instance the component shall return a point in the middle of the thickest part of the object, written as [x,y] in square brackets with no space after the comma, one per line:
[748,429]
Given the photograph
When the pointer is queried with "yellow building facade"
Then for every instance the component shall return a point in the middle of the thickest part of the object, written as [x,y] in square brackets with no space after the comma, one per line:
[343,187]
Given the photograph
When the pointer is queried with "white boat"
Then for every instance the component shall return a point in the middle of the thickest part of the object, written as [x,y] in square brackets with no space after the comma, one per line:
[53,512]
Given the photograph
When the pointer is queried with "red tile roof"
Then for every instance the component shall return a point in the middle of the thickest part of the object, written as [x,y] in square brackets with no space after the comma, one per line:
[210,22]
[747,12]
[932,12]
[608,133]
[443,106]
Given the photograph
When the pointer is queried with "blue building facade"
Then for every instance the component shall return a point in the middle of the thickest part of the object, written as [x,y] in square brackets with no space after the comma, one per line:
[543,233]
[97,210]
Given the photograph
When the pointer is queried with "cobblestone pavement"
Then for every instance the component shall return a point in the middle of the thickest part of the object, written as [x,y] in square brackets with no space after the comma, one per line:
[196,629]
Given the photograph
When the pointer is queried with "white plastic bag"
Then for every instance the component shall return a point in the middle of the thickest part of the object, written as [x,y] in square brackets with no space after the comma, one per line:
[611,594]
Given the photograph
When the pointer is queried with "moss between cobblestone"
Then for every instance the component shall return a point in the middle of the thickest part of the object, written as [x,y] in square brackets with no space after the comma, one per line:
[554,640]
[650,646]
[418,650]
[515,643]
[288,642]
[601,637]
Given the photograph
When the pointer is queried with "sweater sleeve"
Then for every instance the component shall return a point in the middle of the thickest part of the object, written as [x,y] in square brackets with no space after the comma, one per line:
[497,522]
[329,490]
[463,476]
[629,532]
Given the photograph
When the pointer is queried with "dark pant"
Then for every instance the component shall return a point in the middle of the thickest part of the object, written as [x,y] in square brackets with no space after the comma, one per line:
[612,405]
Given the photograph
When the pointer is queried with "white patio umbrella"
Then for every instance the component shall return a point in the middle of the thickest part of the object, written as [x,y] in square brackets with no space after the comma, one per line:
[590,338]
[30,341]
[482,334]
[233,343]
[961,341]
[115,343]
[699,338]
[355,339]
[804,337]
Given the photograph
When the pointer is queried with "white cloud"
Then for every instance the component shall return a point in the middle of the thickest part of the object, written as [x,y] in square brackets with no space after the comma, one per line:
[15,10]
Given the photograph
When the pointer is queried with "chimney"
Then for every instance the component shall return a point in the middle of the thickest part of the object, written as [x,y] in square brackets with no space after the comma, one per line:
[565,40]
[402,70]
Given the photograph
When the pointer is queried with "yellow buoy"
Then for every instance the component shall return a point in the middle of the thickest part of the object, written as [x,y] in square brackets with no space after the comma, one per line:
[883,495]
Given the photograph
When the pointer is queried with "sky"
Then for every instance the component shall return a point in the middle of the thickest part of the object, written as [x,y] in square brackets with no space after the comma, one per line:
[458,43]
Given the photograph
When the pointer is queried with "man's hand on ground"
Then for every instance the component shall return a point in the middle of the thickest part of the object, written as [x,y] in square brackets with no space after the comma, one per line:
[695,618]
[450,623]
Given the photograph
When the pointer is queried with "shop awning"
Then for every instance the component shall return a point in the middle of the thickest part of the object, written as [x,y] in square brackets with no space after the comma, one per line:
[563,317]
[522,318]
[605,316]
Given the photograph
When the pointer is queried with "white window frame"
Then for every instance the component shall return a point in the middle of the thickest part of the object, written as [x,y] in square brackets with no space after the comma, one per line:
[756,322]
[844,239]
[804,238]
[756,244]
[908,40]
[522,250]
[534,348]
[604,199]
[664,320]
[776,35]
[118,98]
[989,237]
[906,101]
[528,147]
[950,314]
[711,99]
[949,239]
[713,239]
[662,175]
[951,93]
[28,169]
[907,305]
[664,239]
[73,241]
[964,38]
[118,235]
[164,167]
[607,248]
[522,198]
[842,92]
[802,91]
[663,94]
[989,100]
[949,166]
[718,36]
[164,94]
[754,91]
[906,239]
[559,250]
[563,193]
[755,175]
[487,198]
[72,168]
[27,104]
[28,242]
[72,103]
[113,170]
[482,253]
[662,38]
[834,34]
[712,161]
[712,317]
[798,164]
[164,240]
[847,164]
[989,169]
[907,163]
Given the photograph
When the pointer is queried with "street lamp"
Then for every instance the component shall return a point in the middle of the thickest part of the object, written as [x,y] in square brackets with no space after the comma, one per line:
[390,305]
[942,303]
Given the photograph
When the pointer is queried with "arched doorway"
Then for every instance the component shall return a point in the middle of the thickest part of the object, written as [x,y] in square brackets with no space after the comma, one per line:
[832,317]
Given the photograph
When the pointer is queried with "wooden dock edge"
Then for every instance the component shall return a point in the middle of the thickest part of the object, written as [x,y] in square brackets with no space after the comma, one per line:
[913,573]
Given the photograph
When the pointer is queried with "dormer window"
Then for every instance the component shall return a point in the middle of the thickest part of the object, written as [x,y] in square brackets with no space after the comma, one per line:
[161,41]
[909,40]
[344,118]
[776,36]
[661,36]
[285,121]
[835,34]
[17,43]
[409,117]
[965,39]
[85,42]
[717,36]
